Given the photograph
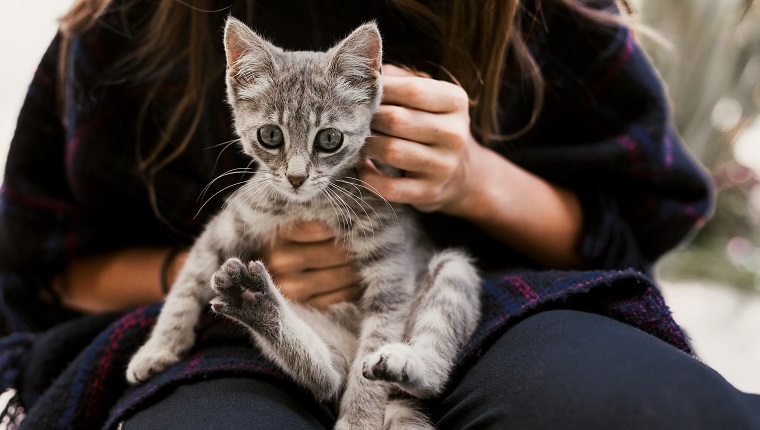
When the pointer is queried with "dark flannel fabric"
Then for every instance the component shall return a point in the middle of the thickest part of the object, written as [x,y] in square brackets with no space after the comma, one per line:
[72,188]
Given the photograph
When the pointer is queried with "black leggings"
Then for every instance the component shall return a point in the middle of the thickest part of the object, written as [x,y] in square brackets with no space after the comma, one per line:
[554,370]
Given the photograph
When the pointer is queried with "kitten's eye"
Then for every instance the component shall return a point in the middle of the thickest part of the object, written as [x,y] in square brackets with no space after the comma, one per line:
[270,136]
[329,140]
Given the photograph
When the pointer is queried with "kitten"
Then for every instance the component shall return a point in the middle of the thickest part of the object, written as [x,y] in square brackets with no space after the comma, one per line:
[304,116]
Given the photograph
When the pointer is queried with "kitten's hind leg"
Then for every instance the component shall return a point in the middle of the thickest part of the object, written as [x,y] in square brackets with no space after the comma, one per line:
[385,308]
[247,294]
[405,414]
[444,316]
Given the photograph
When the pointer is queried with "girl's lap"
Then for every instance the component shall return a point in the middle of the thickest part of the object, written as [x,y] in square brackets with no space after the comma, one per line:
[556,369]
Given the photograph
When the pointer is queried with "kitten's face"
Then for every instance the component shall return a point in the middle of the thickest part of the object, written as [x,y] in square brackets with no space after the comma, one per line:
[303,115]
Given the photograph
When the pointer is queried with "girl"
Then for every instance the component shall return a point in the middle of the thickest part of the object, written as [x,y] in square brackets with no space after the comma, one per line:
[533,133]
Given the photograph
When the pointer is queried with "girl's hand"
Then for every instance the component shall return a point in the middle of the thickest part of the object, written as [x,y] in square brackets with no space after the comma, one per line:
[423,128]
[310,267]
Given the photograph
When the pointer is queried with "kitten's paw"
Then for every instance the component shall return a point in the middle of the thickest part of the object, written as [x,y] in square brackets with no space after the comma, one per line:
[394,362]
[147,362]
[241,287]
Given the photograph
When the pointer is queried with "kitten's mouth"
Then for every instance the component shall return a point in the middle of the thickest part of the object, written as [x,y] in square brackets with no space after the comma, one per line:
[301,194]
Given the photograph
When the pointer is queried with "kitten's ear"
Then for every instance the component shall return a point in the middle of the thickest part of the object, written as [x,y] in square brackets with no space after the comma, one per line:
[248,55]
[359,56]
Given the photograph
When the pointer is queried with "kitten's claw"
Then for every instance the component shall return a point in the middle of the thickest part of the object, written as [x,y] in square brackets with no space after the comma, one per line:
[376,367]
[395,362]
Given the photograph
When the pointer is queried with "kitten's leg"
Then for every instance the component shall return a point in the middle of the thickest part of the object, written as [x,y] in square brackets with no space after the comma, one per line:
[445,315]
[337,325]
[247,294]
[405,414]
[174,332]
[385,307]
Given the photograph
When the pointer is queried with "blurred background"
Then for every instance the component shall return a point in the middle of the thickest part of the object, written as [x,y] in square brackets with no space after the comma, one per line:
[708,53]
[712,70]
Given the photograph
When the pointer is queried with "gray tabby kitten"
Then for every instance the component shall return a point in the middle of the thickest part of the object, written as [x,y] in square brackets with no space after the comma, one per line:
[304,116]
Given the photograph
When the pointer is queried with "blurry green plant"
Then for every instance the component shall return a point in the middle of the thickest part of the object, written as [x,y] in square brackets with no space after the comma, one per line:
[712,71]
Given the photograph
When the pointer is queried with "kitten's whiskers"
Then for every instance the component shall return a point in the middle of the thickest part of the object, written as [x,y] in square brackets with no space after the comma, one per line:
[251,186]
[361,198]
[241,170]
[356,216]
[337,214]
[361,204]
[227,143]
[372,190]
[217,193]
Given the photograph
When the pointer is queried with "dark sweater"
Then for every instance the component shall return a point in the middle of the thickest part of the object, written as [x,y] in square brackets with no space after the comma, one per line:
[72,188]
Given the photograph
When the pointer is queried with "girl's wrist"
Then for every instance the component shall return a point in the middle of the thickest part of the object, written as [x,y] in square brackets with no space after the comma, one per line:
[170,267]
[482,190]
[505,200]
[167,264]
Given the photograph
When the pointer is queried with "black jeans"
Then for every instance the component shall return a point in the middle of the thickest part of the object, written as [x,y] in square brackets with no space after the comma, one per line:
[554,370]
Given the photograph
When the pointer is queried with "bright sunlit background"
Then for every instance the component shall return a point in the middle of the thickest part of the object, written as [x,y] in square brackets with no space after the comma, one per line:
[713,76]
[26,28]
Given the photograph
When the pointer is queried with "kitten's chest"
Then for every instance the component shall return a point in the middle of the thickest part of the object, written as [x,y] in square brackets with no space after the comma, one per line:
[355,215]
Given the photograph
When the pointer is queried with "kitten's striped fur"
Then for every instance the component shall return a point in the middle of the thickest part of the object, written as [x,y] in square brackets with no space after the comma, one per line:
[399,342]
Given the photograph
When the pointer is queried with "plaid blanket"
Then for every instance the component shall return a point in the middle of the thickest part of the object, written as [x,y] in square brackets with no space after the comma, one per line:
[92,392]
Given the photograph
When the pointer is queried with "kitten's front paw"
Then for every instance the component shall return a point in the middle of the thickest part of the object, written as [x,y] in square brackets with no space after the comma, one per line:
[394,362]
[240,287]
[147,362]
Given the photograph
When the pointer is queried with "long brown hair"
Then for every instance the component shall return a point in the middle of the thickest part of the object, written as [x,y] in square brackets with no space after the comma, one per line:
[478,38]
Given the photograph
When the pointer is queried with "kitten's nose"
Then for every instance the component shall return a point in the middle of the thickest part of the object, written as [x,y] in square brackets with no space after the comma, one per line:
[297,180]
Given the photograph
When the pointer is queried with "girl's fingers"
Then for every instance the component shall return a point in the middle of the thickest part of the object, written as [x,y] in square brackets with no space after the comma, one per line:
[305,232]
[308,265]
[401,154]
[410,124]
[304,286]
[346,294]
[409,189]
[391,70]
[416,125]
[422,127]
[424,94]
[289,257]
